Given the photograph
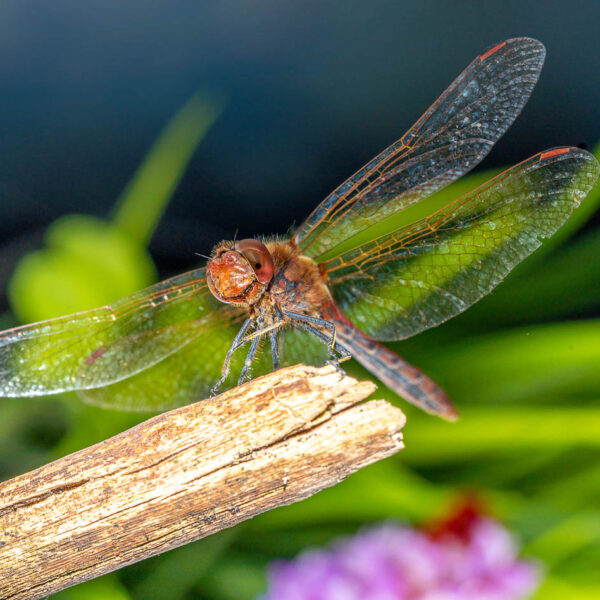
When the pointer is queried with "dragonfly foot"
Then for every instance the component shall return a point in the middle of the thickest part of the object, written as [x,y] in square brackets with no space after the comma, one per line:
[214,391]
[336,363]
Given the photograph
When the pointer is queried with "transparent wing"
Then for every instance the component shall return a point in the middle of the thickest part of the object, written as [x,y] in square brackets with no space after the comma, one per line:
[433,269]
[452,137]
[184,376]
[105,345]
[299,346]
[189,374]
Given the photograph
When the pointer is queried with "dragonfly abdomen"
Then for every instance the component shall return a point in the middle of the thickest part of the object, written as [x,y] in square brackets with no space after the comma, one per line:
[399,375]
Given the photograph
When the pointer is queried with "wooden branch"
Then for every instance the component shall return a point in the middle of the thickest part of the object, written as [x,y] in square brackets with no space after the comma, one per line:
[186,474]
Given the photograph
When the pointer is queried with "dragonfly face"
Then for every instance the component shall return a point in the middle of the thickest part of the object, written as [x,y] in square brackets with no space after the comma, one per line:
[239,272]
[167,345]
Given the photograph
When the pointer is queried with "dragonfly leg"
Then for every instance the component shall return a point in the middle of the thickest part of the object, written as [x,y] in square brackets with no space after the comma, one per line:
[274,349]
[249,359]
[315,321]
[238,341]
[332,344]
[262,331]
[275,339]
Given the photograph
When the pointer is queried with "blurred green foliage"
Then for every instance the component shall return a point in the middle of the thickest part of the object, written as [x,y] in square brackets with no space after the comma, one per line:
[90,262]
[528,389]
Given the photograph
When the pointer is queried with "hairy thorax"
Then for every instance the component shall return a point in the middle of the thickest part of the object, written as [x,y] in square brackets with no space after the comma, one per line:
[297,284]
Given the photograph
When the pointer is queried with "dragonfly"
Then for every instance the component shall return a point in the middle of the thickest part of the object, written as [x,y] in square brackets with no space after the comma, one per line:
[329,290]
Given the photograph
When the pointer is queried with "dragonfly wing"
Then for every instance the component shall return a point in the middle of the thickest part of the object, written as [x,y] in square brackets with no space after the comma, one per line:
[299,346]
[101,346]
[452,137]
[425,273]
[180,378]
[189,374]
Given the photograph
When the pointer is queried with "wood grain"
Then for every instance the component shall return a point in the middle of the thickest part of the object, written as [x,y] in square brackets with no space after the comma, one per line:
[186,474]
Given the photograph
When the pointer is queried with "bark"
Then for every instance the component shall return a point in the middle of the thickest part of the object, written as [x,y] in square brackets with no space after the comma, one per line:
[188,473]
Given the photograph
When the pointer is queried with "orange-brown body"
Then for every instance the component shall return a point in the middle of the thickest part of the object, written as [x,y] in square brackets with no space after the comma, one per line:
[296,283]
[279,287]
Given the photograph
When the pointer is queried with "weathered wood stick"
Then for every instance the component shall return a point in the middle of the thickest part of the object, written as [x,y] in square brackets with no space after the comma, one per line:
[186,474]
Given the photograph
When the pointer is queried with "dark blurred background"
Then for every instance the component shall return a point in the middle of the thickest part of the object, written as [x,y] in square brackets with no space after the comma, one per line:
[313,90]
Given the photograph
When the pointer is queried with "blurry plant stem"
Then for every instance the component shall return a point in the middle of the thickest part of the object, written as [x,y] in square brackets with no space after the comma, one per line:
[188,473]
[141,205]
[89,262]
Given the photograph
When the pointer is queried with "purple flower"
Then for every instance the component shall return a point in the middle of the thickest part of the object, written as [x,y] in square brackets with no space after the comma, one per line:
[477,561]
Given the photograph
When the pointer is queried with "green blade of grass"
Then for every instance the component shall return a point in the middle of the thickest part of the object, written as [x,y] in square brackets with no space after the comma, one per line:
[566,538]
[431,441]
[573,491]
[143,201]
[560,359]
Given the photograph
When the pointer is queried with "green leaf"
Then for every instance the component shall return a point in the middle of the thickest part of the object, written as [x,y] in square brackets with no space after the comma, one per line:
[87,263]
[555,588]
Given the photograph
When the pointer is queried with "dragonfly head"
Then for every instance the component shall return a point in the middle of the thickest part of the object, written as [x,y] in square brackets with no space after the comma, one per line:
[239,272]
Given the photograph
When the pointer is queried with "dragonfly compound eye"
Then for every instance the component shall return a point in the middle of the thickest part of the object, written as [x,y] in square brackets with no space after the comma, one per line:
[258,256]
